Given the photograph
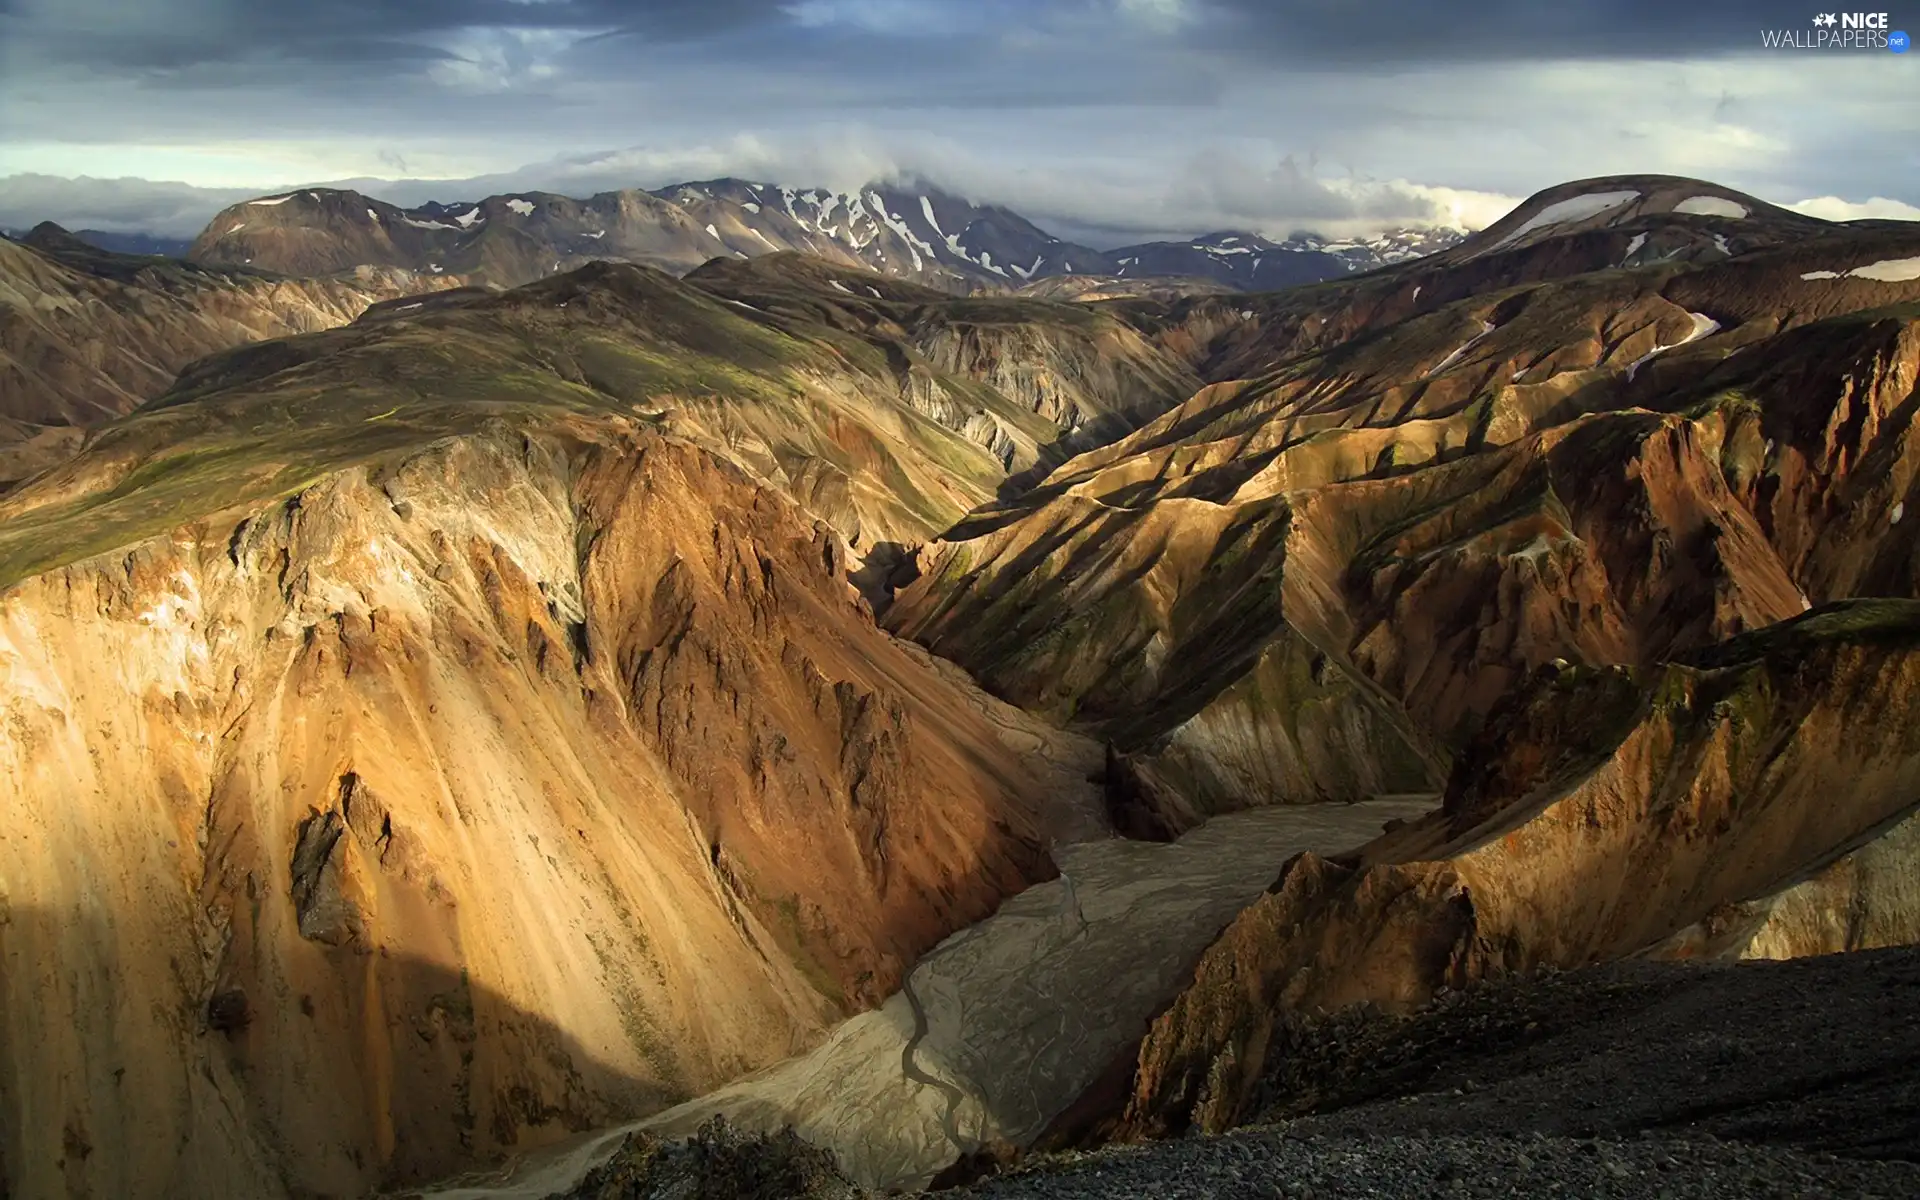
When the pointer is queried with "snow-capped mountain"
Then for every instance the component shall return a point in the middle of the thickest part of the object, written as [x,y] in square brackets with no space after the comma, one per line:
[1256,263]
[915,232]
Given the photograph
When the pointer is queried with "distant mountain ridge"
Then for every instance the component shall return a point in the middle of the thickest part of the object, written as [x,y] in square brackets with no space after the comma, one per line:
[916,232]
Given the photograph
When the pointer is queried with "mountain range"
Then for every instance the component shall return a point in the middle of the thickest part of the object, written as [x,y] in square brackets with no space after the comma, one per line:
[912,232]
[469,732]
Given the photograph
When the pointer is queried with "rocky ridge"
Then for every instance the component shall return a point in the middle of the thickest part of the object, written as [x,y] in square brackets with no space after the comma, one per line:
[87,335]
[904,230]
[487,743]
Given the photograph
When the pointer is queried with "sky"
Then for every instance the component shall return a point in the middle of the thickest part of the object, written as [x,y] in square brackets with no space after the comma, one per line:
[1104,120]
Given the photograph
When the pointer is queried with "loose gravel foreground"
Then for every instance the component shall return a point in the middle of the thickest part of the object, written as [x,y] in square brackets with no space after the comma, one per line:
[1635,1079]
[1272,1163]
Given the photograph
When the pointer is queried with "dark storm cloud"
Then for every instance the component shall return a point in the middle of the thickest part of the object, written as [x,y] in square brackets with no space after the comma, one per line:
[174,35]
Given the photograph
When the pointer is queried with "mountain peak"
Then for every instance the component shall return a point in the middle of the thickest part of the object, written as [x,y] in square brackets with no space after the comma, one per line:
[909,228]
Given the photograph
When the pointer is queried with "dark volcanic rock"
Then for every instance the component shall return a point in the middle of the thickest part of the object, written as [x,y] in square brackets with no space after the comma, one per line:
[717,1163]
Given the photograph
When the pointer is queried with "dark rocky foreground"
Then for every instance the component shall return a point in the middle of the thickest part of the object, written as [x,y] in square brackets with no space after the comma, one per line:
[1272,1162]
[1634,1079]
[1629,1080]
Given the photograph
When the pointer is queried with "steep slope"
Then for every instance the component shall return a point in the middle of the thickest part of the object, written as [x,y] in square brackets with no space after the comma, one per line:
[1604,814]
[1028,381]
[1314,583]
[439,735]
[86,335]
[848,423]
[1548,544]
[905,230]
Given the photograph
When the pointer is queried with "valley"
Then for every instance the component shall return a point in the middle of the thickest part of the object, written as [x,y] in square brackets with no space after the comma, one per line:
[475,711]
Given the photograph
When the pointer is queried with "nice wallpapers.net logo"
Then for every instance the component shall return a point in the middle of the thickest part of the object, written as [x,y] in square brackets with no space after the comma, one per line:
[1839,31]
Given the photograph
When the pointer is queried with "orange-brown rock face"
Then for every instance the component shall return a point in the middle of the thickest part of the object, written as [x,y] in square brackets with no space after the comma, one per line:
[519,785]
[1346,566]
[1598,815]
[1587,469]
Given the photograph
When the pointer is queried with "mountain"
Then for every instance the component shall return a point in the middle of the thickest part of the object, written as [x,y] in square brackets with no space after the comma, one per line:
[1256,264]
[913,232]
[87,334]
[502,747]
[1523,525]
[944,725]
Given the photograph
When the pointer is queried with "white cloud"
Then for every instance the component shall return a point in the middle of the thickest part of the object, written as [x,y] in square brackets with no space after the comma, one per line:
[1833,208]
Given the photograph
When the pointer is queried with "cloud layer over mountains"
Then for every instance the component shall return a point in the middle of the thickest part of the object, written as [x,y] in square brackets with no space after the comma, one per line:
[1104,119]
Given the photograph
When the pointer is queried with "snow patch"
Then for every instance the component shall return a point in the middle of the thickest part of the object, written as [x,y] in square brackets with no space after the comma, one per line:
[1702,326]
[467,219]
[874,292]
[1899,510]
[275,199]
[428,224]
[713,233]
[1710,206]
[840,287]
[750,206]
[1720,244]
[899,226]
[520,206]
[1573,208]
[1416,291]
[1486,327]
[1887,270]
[237,227]
[926,206]
[597,234]
[372,215]
[1633,247]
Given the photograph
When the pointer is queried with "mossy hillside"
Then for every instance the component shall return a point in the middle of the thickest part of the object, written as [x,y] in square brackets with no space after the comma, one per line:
[264,422]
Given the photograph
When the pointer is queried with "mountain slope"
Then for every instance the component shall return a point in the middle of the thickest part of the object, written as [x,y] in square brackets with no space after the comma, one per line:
[86,335]
[1608,814]
[1290,567]
[1345,566]
[494,747]
[915,232]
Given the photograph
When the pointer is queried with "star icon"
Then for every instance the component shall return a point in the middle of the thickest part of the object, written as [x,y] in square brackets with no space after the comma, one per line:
[1826,19]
